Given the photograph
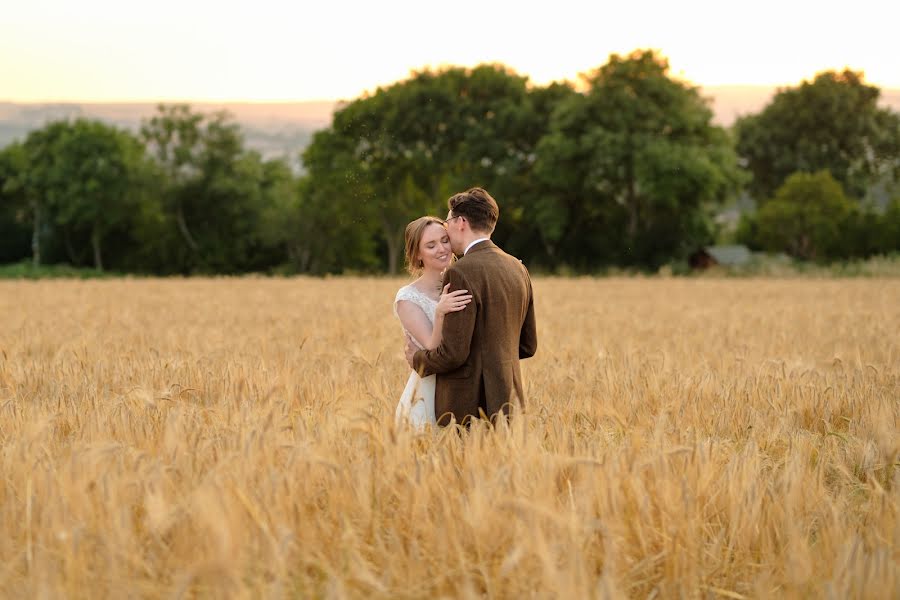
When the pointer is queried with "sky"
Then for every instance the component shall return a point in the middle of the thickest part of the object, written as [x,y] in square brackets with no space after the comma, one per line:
[283,51]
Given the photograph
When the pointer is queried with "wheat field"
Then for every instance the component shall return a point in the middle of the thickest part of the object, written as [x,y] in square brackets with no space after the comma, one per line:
[234,438]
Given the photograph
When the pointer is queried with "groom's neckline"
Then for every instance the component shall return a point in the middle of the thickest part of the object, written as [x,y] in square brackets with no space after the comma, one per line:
[476,245]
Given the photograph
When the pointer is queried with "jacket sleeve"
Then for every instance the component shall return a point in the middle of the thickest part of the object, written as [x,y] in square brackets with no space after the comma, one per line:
[456,338]
[528,335]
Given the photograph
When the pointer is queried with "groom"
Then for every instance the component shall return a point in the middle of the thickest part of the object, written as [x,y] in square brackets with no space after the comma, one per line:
[477,362]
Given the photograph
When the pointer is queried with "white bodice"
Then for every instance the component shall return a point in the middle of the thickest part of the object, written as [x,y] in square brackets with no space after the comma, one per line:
[412,294]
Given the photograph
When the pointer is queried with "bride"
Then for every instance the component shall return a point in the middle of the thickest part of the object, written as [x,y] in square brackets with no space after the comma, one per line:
[421,307]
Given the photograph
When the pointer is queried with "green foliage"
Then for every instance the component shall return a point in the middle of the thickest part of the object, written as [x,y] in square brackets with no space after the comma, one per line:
[889,233]
[781,265]
[806,218]
[833,123]
[85,176]
[631,167]
[26,270]
[403,150]
[15,233]
[334,222]
[213,195]
[623,175]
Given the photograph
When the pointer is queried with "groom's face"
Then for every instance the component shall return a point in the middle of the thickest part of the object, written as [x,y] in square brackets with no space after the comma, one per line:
[454,232]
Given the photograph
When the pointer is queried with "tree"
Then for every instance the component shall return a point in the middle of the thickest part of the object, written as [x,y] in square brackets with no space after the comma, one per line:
[807,218]
[81,176]
[630,167]
[504,147]
[889,229]
[214,194]
[16,208]
[90,176]
[833,123]
[175,139]
[37,180]
[330,225]
[407,147]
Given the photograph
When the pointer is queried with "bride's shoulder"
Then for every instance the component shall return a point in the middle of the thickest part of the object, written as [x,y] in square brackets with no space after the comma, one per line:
[406,292]
[409,293]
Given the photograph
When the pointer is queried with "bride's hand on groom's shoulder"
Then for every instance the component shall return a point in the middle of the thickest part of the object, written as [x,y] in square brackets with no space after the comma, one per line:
[454,301]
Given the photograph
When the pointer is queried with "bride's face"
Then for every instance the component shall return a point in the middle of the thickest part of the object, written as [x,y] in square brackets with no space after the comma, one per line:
[434,249]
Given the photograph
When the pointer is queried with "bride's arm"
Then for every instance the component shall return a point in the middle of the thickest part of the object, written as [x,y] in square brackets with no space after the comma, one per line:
[417,324]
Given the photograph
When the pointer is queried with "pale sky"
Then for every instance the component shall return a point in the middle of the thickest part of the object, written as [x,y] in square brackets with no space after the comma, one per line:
[267,50]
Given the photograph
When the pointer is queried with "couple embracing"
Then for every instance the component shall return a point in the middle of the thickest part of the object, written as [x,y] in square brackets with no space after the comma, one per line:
[468,321]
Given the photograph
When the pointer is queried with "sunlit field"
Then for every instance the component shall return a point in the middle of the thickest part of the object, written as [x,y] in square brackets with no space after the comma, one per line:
[234,438]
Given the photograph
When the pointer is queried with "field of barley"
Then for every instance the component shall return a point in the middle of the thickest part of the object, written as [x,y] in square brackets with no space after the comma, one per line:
[234,438]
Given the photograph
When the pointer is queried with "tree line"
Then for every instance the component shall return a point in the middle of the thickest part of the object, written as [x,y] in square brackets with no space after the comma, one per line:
[625,168]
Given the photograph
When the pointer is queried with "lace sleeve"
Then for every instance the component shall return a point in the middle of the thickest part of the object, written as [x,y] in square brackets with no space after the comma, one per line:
[404,293]
[411,294]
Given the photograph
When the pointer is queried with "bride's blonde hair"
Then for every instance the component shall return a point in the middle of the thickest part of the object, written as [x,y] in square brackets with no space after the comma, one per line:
[414,232]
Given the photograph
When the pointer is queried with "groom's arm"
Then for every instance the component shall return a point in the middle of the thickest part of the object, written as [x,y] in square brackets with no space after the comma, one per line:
[528,335]
[457,335]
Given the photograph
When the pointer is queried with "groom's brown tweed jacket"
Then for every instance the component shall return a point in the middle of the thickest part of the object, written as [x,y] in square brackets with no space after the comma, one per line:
[477,363]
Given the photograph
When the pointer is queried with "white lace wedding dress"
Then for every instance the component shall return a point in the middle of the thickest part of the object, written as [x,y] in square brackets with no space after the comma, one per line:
[416,405]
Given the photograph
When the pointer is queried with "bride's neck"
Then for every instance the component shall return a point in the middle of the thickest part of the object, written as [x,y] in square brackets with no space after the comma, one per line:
[431,281]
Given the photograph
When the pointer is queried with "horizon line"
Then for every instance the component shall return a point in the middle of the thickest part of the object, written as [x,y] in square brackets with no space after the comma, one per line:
[166,101]
[271,101]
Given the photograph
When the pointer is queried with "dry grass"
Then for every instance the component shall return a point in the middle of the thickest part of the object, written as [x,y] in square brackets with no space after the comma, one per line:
[234,438]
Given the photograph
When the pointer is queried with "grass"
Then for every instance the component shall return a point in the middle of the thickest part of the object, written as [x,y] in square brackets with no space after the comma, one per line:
[760,266]
[234,438]
[26,270]
[875,266]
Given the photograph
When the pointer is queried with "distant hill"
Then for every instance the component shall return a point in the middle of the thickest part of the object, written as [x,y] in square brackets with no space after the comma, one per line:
[733,101]
[284,129]
[274,129]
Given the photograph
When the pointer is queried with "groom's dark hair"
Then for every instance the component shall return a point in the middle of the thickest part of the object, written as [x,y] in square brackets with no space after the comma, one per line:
[478,207]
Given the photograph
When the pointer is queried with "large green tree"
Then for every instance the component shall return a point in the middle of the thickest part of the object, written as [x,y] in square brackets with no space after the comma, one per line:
[832,123]
[85,175]
[407,147]
[631,167]
[507,167]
